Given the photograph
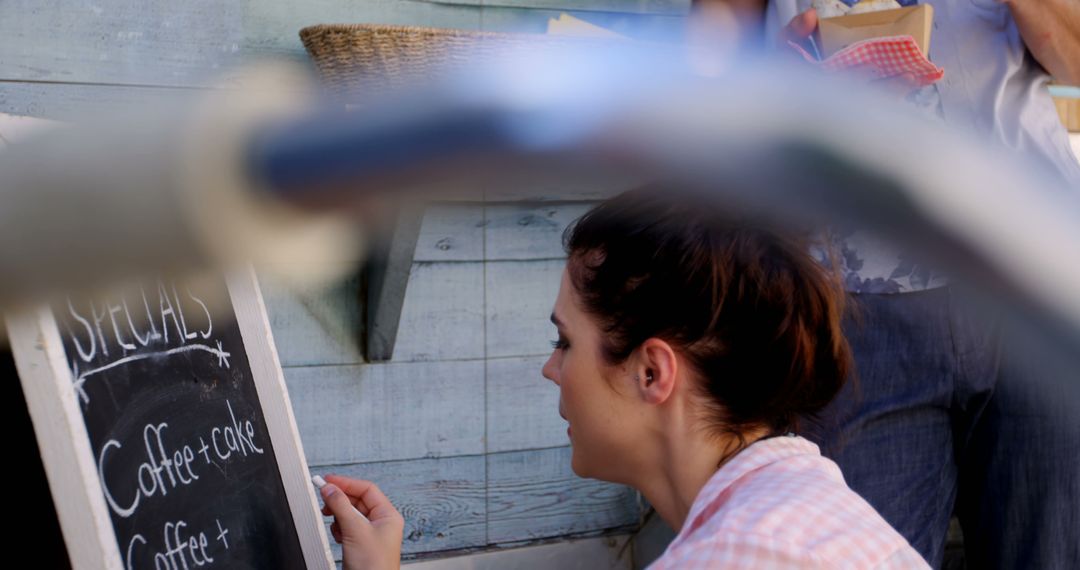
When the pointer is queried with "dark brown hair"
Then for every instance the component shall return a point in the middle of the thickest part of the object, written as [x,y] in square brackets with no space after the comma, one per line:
[755,315]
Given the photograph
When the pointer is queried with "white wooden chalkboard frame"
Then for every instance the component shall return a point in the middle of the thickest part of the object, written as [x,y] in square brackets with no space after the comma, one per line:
[65,445]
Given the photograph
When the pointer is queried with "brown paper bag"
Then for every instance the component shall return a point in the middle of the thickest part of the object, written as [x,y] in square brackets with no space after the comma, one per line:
[842,31]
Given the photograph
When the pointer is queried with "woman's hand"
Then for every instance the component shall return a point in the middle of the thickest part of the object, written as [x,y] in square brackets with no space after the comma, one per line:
[371,538]
[799,31]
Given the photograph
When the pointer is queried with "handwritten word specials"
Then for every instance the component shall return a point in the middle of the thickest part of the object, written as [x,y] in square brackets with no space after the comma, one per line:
[138,318]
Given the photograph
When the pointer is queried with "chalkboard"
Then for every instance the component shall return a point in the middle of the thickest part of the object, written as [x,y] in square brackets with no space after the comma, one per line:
[185,421]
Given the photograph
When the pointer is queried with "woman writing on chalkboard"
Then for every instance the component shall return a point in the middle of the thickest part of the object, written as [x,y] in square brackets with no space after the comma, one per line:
[689,346]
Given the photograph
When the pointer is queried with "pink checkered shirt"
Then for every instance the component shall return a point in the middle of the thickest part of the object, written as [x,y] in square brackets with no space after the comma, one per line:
[779,504]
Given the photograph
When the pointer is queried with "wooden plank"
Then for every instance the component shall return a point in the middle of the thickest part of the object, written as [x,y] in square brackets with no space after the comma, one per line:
[652,27]
[277,410]
[665,7]
[388,269]
[535,494]
[529,231]
[74,102]
[522,406]
[179,43]
[443,315]
[442,318]
[316,324]
[63,440]
[188,43]
[561,185]
[599,553]
[451,232]
[520,296]
[442,500]
[385,412]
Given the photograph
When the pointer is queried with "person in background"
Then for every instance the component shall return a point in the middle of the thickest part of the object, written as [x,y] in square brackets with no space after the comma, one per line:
[690,346]
[951,414]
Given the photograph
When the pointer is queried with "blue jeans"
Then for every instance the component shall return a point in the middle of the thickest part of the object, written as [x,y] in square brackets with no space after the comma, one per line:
[951,411]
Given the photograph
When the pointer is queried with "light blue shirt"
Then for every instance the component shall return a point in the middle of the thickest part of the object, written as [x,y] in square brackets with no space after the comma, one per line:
[993,87]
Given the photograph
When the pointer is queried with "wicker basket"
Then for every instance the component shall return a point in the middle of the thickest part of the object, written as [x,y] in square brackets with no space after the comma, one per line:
[361,59]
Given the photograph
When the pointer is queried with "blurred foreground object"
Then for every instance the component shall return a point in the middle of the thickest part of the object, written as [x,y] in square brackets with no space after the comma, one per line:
[184,190]
[159,189]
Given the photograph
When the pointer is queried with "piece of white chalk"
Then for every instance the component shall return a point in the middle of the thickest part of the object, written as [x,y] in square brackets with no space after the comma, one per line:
[320,483]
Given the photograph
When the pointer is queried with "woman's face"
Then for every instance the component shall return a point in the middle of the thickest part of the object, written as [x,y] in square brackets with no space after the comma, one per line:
[594,396]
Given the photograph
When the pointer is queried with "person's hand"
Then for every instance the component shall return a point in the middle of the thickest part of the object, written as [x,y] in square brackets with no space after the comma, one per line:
[800,30]
[370,539]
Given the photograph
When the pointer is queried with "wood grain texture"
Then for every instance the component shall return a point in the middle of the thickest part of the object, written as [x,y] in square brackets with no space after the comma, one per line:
[442,500]
[451,232]
[520,296]
[529,231]
[535,494]
[597,553]
[179,43]
[443,315]
[666,7]
[316,324]
[193,43]
[454,503]
[384,412]
[73,102]
[442,318]
[522,406]
[422,418]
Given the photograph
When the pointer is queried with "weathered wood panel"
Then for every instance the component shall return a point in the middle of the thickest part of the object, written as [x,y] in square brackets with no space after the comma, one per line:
[535,494]
[520,296]
[442,500]
[522,406]
[450,504]
[596,553]
[74,102]
[384,412]
[666,7]
[185,44]
[315,325]
[179,43]
[388,268]
[442,318]
[451,232]
[529,231]
[444,305]
[425,419]
[638,26]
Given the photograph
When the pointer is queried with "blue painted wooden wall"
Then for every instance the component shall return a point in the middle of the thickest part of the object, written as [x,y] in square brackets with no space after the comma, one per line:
[459,428]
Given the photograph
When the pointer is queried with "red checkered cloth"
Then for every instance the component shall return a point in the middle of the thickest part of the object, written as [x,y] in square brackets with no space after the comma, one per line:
[882,58]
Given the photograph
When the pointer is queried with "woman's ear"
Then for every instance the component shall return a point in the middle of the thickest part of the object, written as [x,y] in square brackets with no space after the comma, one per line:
[655,371]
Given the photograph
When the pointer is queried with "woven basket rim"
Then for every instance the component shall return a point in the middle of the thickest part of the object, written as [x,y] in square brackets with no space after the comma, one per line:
[316,29]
